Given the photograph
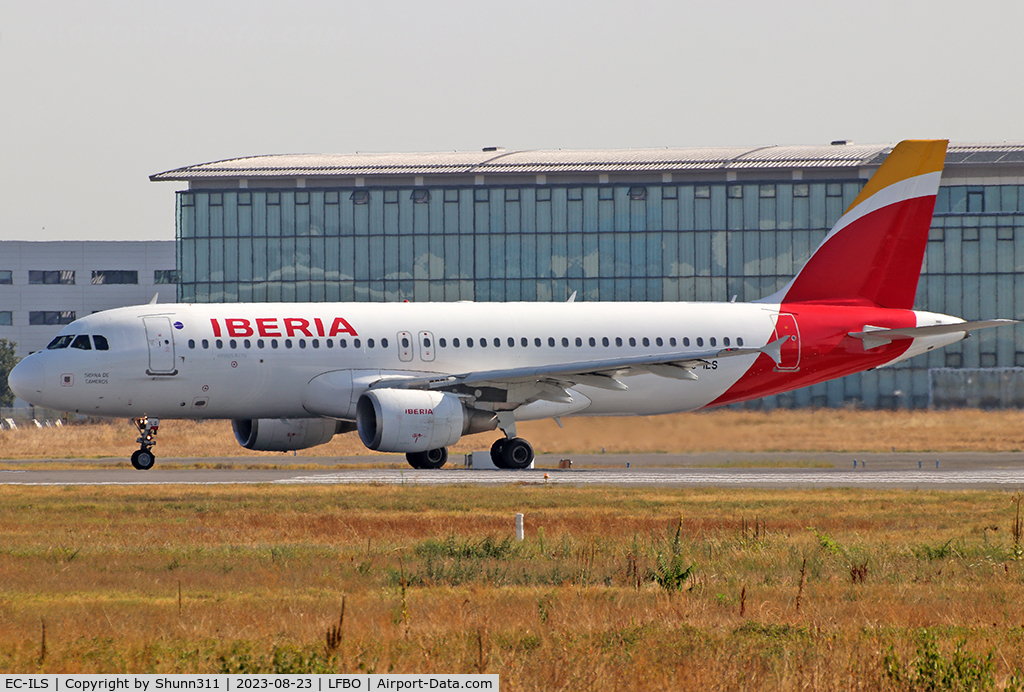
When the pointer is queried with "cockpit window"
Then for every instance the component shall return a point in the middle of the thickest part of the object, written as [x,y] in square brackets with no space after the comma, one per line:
[100,342]
[81,341]
[62,341]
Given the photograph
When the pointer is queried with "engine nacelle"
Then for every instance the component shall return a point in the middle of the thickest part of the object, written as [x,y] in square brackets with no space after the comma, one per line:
[287,434]
[412,420]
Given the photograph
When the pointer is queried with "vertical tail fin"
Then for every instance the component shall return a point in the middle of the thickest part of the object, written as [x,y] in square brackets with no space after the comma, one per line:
[873,254]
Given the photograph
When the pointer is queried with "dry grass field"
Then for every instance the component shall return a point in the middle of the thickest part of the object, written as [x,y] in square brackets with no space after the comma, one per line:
[638,589]
[823,430]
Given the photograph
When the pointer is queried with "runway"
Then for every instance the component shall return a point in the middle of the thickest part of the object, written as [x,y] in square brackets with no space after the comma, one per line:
[768,470]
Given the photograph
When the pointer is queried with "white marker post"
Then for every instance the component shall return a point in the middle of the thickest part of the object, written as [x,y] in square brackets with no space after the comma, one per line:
[519,527]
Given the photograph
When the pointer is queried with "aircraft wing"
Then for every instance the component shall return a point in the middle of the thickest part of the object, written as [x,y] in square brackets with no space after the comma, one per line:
[550,381]
[874,337]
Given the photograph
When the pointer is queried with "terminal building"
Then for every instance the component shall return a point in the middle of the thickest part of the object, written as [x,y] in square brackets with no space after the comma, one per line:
[45,285]
[707,224]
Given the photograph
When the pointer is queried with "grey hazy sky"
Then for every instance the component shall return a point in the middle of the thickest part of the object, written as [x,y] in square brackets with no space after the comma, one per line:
[99,95]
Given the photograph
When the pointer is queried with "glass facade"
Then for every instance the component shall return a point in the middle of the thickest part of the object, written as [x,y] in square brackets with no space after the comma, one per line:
[705,242]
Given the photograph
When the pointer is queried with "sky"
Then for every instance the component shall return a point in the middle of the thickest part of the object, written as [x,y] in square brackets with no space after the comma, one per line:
[97,96]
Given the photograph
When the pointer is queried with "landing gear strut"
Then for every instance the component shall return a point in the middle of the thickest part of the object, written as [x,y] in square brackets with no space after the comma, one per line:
[143,459]
[430,459]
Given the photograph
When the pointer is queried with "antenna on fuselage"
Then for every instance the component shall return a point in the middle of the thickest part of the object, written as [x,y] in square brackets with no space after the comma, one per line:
[572,298]
[155,296]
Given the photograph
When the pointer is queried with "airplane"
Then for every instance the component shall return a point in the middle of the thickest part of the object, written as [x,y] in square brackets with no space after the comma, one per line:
[416,377]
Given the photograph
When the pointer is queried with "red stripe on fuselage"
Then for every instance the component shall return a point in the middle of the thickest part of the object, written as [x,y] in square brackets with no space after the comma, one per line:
[826,349]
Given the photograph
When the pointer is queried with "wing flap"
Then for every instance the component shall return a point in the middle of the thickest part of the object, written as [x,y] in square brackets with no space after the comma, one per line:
[602,373]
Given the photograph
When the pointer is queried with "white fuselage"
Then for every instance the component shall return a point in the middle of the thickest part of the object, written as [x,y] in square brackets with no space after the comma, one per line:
[257,360]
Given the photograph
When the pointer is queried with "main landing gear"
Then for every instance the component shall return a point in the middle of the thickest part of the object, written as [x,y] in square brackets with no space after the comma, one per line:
[143,459]
[509,452]
[430,459]
[515,453]
[512,453]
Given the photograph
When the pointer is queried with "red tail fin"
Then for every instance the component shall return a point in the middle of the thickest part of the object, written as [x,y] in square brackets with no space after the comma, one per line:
[873,255]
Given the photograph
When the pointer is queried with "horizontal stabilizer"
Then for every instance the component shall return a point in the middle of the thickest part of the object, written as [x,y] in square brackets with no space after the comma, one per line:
[873,337]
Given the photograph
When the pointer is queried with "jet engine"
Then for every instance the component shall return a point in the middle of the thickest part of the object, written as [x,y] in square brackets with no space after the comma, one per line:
[412,420]
[287,434]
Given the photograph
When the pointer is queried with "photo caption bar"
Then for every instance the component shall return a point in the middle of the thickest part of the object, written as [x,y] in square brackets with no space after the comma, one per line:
[88,682]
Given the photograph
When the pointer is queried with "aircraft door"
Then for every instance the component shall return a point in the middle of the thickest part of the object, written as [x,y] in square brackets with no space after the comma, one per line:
[404,346]
[160,339]
[426,345]
[785,325]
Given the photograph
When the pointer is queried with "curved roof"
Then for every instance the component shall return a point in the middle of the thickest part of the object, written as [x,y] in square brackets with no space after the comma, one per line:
[500,161]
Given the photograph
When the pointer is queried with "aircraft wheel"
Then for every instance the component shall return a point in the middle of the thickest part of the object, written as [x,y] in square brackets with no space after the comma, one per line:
[517,453]
[430,459]
[496,452]
[143,460]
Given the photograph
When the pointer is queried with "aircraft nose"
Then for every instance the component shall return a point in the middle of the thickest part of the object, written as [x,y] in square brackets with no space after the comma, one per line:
[26,379]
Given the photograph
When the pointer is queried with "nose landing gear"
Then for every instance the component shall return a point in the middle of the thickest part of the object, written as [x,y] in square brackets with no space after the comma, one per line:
[143,459]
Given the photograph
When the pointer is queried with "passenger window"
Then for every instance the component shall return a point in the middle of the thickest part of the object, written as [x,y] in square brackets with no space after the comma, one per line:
[342,343]
[551,341]
[483,342]
[455,342]
[287,343]
[647,342]
[234,344]
[81,341]
[632,341]
[191,343]
[426,342]
[273,343]
[511,342]
[260,343]
[302,343]
[659,341]
[686,341]
[405,342]
[713,342]
[604,341]
[247,343]
[60,342]
[356,343]
[206,343]
[739,340]
[700,341]
[672,341]
[330,343]
[524,342]
[565,342]
[469,342]
[220,344]
[369,343]
[497,342]
[618,341]
[536,341]
[593,342]
[579,341]
[725,341]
